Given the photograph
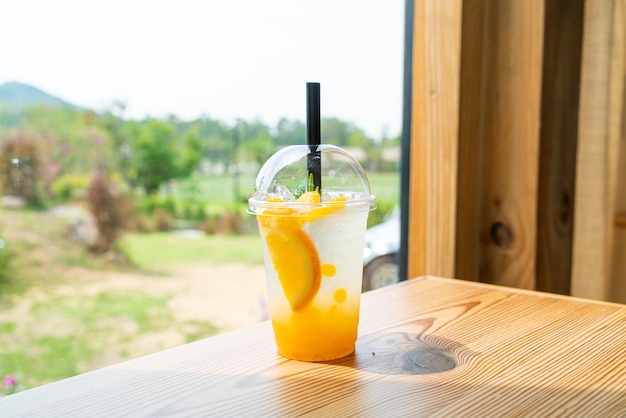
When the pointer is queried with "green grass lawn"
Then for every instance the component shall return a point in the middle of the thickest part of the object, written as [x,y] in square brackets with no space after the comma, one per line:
[221,189]
[158,250]
[386,187]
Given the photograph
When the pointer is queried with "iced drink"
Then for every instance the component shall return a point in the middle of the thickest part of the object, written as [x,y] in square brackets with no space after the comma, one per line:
[313,250]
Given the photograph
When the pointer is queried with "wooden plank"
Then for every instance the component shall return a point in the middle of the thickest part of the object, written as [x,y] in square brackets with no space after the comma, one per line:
[559,135]
[620,219]
[513,65]
[434,134]
[618,105]
[600,124]
[471,125]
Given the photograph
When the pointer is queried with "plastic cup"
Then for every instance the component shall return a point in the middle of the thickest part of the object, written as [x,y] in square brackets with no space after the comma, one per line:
[313,249]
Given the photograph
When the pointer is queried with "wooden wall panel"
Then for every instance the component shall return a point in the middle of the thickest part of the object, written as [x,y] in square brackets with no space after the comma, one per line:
[511,139]
[434,134]
[618,124]
[517,144]
[474,45]
[558,142]
[600,127]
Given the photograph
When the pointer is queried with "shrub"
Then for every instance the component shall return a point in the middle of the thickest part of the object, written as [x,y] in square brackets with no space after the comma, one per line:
[70,187]
[149,204]
[226,223]
[107,211]
[19,167]
[192,210]
[162,220]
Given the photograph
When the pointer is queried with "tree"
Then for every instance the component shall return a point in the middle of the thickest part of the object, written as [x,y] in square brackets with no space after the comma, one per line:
[358,139]
[290,132]
[335,131]
[259,149]
[112,121]
[158,154]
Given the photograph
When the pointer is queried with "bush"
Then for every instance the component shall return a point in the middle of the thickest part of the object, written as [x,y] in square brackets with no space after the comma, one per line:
[70,187]
[162,220]
[149,204]
[107,210]
[19,167]
[226,223]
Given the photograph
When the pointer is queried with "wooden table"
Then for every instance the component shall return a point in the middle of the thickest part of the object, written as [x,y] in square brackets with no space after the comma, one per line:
[427,347]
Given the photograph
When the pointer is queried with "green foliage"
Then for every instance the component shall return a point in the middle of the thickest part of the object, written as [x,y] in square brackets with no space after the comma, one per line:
[192,153]
[357,138]
[290,132]
[335,131]
[70,187]
[193,210]
[259,149]
[186,208]
[158,154]
[150,203]
[69,140]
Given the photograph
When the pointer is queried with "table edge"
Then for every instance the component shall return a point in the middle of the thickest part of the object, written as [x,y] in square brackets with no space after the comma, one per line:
[532,292]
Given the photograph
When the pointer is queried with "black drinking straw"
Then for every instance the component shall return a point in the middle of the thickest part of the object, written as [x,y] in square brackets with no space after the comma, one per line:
[313,137]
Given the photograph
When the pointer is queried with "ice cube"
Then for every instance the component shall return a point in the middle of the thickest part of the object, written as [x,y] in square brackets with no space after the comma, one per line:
[260,195]
[284,193]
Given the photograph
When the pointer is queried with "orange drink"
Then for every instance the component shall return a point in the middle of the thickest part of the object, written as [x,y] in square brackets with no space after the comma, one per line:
[313,250]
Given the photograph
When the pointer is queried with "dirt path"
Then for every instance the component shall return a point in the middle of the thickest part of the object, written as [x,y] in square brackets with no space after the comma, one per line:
[228,296]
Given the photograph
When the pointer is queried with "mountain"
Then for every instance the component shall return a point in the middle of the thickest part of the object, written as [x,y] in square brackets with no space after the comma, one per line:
[15,96]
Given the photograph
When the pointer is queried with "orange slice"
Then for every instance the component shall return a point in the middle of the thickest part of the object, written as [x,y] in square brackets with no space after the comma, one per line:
[333,205]
[293,254]
[297,265]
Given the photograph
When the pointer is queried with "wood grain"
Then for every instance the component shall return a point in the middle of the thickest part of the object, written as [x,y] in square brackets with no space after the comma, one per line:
[618,270]
[620,220]
[474,47]
[427,347]
[434,133]
[501,76]
[558,141]
[510,164]
[601,131]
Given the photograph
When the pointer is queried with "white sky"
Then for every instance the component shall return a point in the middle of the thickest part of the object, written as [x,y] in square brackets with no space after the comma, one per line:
[226,58]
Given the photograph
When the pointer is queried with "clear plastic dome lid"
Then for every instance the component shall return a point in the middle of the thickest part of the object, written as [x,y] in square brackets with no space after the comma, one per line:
[286,175]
